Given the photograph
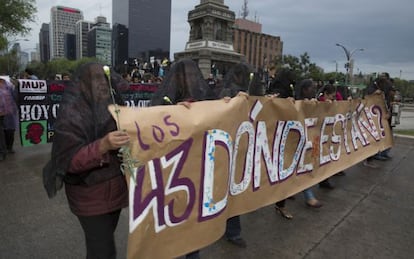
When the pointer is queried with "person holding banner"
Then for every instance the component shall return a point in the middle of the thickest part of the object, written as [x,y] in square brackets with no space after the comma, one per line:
[235,82]
[84,157]
[184,84]
[381,86]
[329,94]
[306,90]
[282,87]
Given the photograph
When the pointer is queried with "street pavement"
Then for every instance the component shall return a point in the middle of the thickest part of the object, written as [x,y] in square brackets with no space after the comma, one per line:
[407,118]
[370,214]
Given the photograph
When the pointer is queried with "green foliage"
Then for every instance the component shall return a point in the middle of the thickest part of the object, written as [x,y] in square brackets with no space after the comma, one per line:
[406,88]
[405,132]
[9,63]
[302,67]
[339,77]
[14,14]
[316,72]
[57,66]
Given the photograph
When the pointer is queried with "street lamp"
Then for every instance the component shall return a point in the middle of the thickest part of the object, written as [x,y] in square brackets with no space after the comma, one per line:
[349,61]
[336,70]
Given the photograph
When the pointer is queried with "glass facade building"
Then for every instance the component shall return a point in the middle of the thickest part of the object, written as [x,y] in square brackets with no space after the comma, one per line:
[44,43]
[149,26]
[81,31]
[99,41]
[62,21]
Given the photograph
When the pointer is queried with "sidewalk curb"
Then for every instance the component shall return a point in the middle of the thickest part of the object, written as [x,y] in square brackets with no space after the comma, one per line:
[404,136]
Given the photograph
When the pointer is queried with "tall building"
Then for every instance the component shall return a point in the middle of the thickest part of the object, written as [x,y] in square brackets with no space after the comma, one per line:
[81,32]
[35,55]
[120,47]
[149,26]
[70,46]
[260,49]
[62,21]
[44,43]
[99,40]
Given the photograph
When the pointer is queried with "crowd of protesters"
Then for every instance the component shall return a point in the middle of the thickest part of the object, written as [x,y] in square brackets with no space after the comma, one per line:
[147,72]
[99,224]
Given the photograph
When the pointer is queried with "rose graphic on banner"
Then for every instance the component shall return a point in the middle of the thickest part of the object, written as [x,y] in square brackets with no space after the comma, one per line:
[34,132]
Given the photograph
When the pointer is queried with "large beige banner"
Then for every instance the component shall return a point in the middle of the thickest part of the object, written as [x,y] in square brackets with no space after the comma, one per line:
[202,165]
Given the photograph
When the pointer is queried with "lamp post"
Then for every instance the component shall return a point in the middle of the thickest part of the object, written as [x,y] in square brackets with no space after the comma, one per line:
[349,62]
[336,70]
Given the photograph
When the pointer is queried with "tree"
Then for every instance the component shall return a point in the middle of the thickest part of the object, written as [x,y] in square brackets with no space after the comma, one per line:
[9,62]
[57,66]
[406,88]
[302,67]
[14,14]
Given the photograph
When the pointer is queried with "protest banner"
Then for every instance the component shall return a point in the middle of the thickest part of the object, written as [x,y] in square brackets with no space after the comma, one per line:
[38,102]
[197,167]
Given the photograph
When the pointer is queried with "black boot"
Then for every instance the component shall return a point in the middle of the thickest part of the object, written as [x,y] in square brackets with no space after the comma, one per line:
[325,184]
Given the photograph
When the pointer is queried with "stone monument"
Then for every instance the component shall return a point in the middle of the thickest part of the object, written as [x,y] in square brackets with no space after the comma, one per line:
[211,38]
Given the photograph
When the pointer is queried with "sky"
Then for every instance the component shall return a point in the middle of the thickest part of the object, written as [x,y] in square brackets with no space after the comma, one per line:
[384,29]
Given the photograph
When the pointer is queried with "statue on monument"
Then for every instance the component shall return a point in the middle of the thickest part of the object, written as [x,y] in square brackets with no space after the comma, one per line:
[212,1]
[211,37]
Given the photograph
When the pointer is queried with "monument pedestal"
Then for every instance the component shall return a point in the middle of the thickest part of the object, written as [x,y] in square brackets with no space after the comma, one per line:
[211,38]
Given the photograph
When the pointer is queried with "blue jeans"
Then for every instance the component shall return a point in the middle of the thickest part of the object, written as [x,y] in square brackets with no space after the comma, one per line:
[385,152]
[308,193]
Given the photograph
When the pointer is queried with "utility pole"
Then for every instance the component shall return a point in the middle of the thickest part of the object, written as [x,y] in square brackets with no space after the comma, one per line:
[245,10]
[349,66]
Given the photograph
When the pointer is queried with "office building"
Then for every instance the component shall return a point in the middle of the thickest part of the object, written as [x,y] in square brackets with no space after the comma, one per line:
[149,26]
[82,29]
[99,40]
[260,49]
[44,43]
[62,21]
[70,46]
[120,47]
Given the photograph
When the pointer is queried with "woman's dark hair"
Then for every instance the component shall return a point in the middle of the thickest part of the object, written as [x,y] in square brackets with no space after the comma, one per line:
[29,71]
[329,89]
[283,83]
[301,88]
[256,87]
[236,80]
[184,82]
